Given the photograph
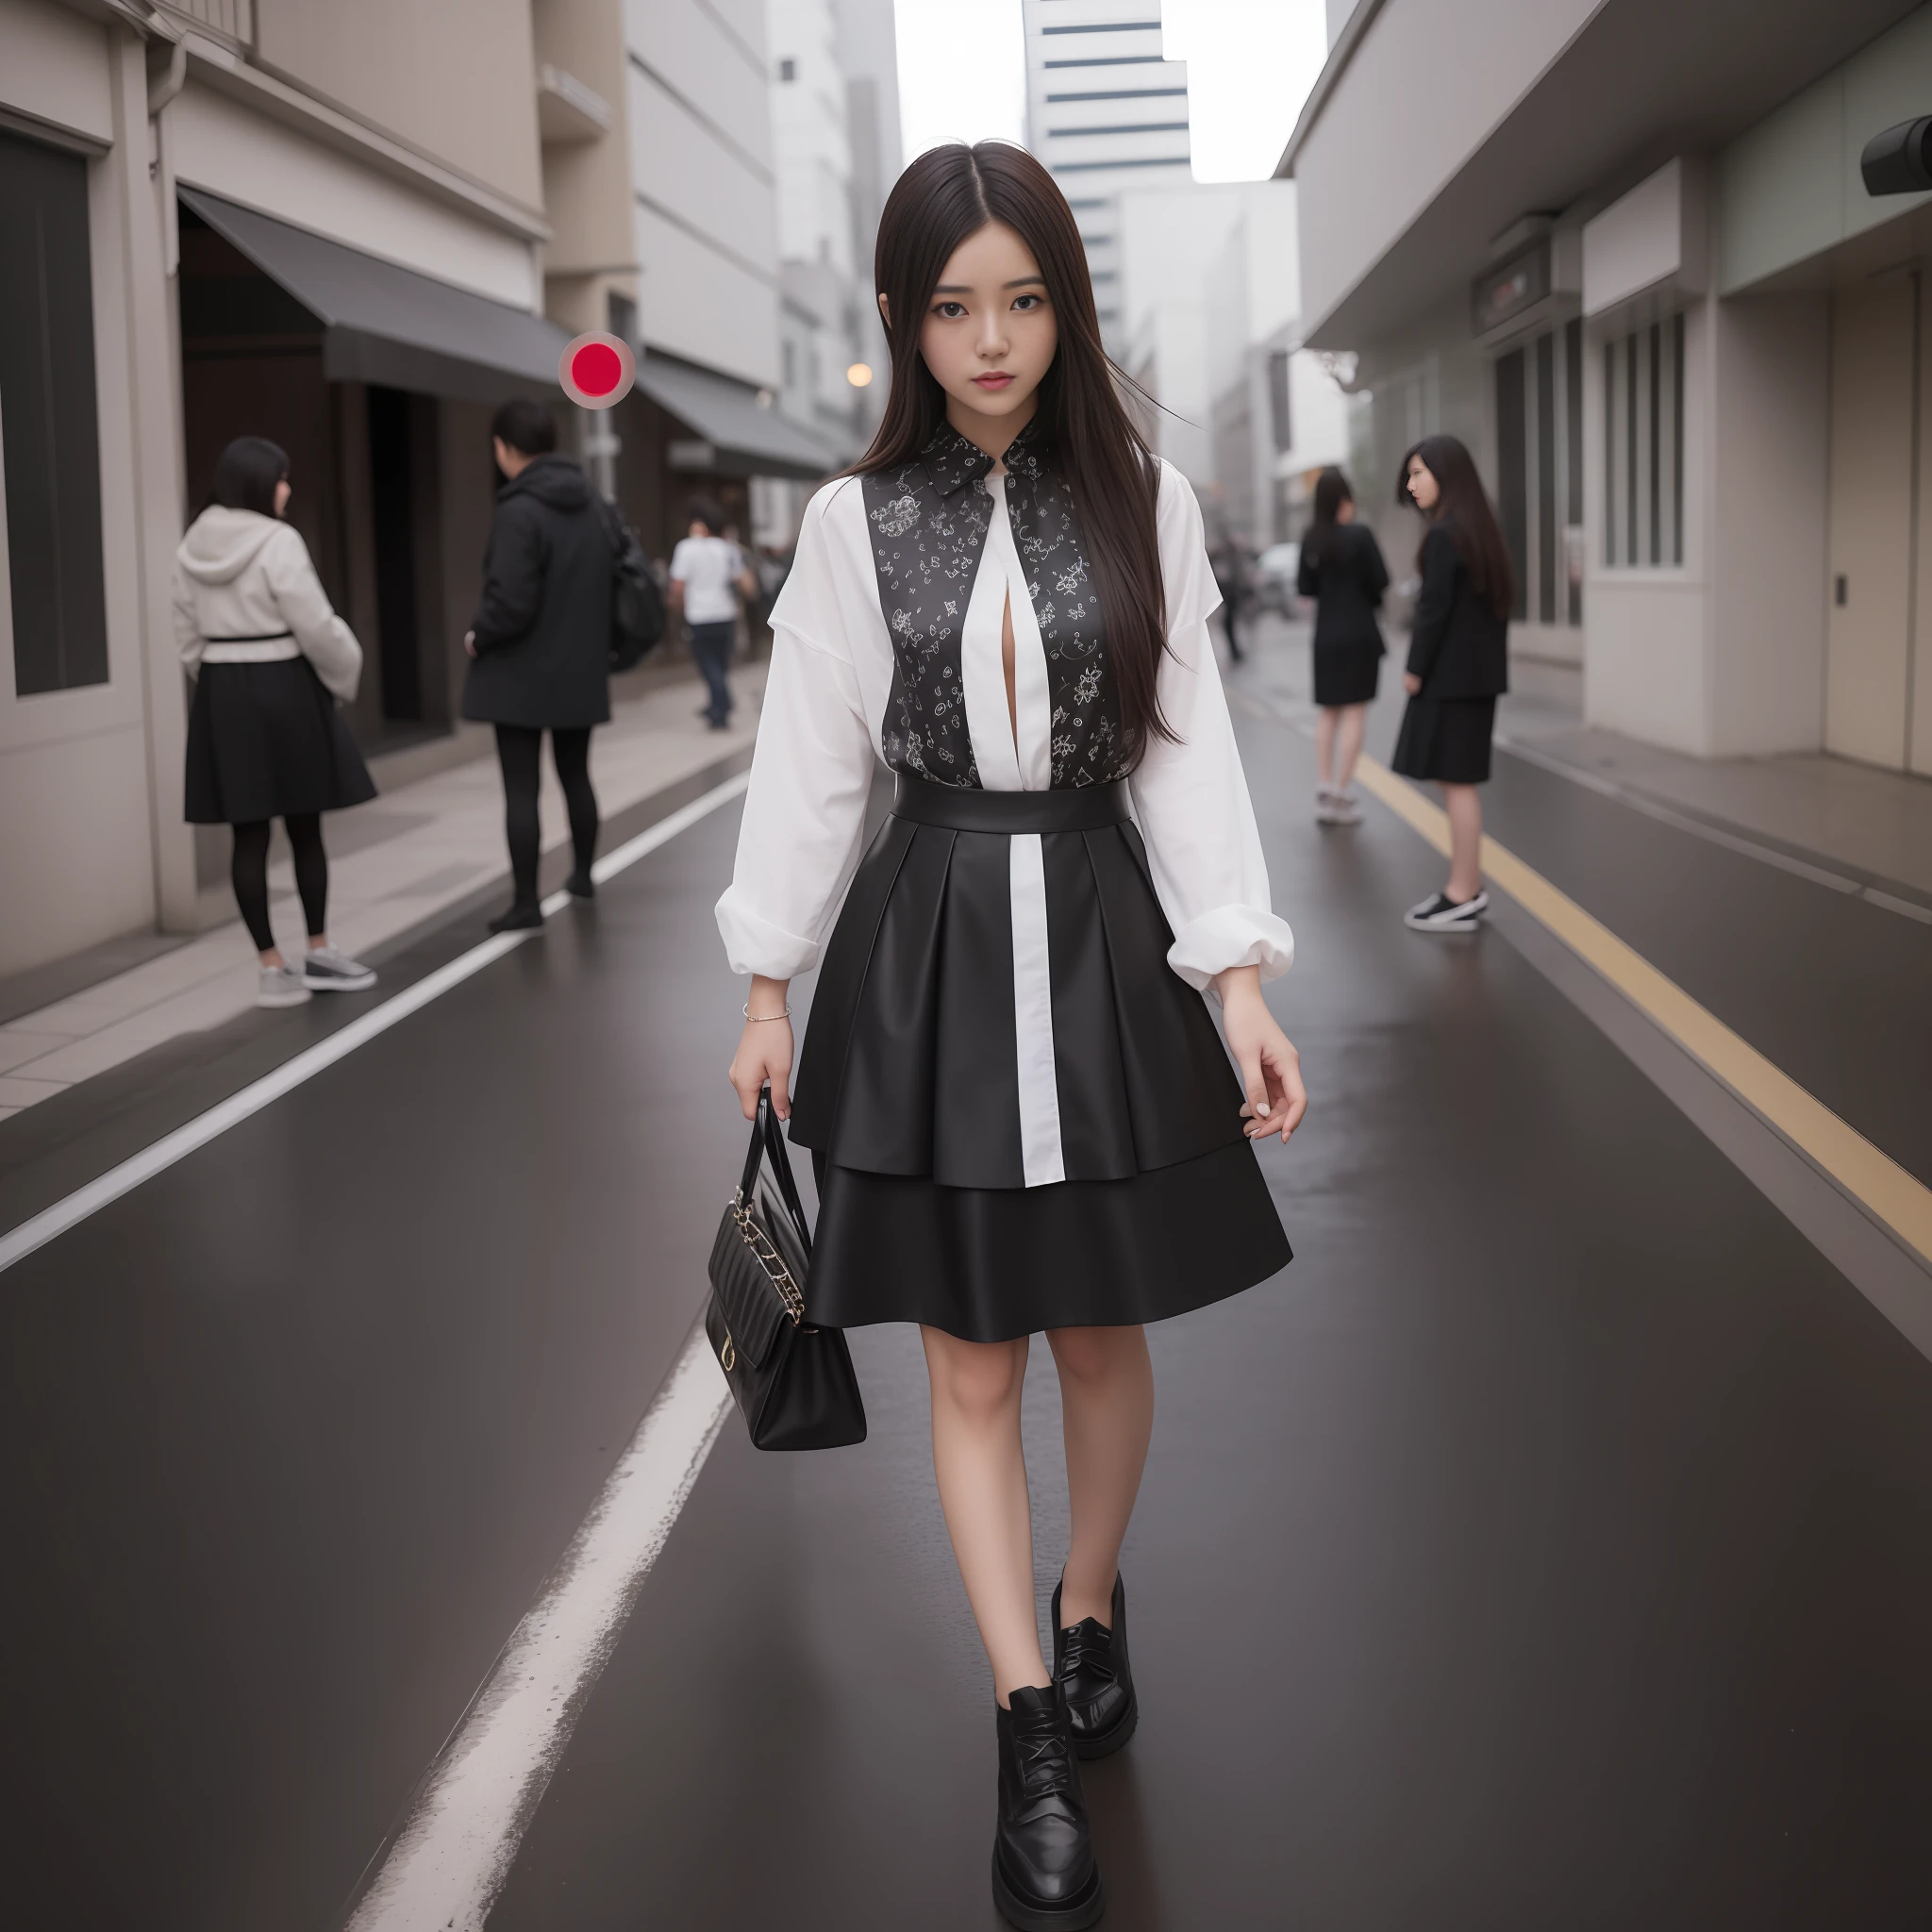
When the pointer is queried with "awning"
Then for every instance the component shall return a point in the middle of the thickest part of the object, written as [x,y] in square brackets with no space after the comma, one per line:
[389,324]
[732,434]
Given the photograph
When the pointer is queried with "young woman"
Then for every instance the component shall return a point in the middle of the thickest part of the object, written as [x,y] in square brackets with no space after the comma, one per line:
[1342,568]
[1020,1113]
[1459,662]
[266,737]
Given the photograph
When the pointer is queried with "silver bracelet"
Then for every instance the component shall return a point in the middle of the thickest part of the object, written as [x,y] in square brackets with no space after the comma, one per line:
[755,1018]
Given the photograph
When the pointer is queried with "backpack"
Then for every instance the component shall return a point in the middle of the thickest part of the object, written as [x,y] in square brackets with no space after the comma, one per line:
[636,605]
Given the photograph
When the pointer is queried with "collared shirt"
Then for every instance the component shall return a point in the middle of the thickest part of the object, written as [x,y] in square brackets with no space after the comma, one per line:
[887,644]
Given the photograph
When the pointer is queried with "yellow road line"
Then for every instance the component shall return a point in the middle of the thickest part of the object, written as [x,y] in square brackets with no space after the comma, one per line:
[1887,1192]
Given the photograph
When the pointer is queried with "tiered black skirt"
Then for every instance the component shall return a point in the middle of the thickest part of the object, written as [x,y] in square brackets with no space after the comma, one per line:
[909,1088]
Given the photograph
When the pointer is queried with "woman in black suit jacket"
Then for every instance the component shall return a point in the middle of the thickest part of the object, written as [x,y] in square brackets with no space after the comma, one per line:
[1459,662]
[1342,568]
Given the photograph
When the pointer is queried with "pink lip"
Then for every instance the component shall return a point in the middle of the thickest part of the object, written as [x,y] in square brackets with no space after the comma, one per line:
[996,380]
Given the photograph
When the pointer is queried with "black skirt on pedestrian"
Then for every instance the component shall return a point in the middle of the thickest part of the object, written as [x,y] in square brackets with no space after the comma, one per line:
[909,1085]
[266,740]
[1447,740]
[1346,674]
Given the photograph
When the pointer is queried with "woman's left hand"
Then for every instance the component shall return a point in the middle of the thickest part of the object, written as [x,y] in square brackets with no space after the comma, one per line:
[1271,1068]
[1411,683]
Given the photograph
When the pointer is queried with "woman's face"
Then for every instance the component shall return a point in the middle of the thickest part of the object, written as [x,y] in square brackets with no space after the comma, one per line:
[989,334]
[1423,486]
[1344,510]
[283,492]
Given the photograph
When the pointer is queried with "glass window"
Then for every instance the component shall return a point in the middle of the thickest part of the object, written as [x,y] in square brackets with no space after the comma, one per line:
[1539,399]
[47,421]
[1644,448]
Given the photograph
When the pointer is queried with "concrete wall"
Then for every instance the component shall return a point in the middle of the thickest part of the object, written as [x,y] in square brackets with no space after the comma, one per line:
[1427,85]
[218,142]
[83,854]
[587,183]
[451,77]
[1788,188]
[703,183]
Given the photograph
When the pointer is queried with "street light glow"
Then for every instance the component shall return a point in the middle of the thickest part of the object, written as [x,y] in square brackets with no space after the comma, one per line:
[860,374]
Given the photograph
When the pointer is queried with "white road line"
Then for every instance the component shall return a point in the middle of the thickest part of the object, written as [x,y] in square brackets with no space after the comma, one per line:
[51,1223]
[452,1857]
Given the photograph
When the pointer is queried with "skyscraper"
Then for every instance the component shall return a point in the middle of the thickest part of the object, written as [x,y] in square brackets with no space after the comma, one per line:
[1106,112]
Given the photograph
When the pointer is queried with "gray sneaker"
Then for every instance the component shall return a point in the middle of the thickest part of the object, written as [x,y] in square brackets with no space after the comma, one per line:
[281,986]
[325,970]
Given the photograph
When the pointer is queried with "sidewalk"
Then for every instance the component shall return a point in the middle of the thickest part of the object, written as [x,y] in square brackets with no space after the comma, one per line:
[394,865]
[1862,828]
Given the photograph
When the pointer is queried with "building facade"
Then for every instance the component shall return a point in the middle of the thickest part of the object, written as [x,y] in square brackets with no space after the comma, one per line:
[224,217]
[355,228]
[1107,114]
[1211,300]
[1684,341]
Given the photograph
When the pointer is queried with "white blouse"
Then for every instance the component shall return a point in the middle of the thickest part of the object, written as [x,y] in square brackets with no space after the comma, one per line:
[800,840]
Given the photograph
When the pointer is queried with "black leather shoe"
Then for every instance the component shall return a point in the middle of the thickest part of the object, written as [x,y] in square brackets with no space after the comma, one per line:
[1043,1875]
[1089,1664]
[518,918]
[580,885]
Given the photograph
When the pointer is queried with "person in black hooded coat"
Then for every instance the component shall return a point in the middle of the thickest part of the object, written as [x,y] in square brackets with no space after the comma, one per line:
[541,641]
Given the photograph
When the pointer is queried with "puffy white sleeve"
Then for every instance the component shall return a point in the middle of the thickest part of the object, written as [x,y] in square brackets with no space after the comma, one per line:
[799,842]
[325,640]
[1191,797]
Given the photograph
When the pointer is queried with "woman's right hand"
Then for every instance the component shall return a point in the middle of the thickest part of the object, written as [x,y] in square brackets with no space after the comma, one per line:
[764,1051]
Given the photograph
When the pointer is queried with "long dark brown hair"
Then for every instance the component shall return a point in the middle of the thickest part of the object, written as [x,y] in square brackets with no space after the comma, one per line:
[947,194]
[1462,507]
[1331,493]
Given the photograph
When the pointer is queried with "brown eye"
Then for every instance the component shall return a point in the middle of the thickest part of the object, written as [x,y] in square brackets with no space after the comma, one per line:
[949,311]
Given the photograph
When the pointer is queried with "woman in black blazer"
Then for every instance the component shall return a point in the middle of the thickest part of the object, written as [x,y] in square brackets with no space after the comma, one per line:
[1459,662]
[1342,568]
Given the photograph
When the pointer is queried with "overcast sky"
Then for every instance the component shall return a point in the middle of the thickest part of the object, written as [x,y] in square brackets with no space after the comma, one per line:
[1250,65]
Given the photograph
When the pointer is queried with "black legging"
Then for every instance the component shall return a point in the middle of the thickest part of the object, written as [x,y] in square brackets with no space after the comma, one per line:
[249,870]
[519,748]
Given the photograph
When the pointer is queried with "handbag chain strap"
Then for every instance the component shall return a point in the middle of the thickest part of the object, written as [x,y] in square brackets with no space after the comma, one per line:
[770,1259]
[768,1144]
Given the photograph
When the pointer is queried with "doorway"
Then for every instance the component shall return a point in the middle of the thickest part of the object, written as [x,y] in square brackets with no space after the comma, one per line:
[1878,634]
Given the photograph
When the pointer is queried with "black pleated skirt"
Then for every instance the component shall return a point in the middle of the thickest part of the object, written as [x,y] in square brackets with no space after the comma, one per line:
[1447,740]
[922,1041]
[265,741]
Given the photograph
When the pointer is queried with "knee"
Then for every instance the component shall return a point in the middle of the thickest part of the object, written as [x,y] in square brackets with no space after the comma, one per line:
[978,1380]
[1095,1356]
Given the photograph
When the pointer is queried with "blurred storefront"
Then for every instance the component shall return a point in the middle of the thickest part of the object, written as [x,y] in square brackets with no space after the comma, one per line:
[1625,251]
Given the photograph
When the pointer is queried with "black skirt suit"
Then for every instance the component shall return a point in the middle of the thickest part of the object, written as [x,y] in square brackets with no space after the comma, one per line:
[1459,649]
[1341,569]
[1018,1105]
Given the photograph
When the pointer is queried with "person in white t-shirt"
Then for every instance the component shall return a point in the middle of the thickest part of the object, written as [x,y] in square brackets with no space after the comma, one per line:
[707,574]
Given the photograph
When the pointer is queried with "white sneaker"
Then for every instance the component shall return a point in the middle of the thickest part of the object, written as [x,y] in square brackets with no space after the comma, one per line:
[281,986]
[1343,810]
[1440,913]
[325,970]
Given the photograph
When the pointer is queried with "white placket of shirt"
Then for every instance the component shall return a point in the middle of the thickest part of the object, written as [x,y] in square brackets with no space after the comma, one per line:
[1026,765]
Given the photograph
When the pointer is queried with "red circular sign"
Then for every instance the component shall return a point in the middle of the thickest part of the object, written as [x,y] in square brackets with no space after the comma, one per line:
[596,370]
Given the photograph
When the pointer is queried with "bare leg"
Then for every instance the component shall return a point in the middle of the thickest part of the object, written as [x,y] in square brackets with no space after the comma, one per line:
[1348,745]
[1465,807]
[1324,746]
[981,1467]
[1107,1396]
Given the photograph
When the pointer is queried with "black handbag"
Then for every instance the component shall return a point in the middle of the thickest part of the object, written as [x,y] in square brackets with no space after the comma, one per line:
[793,1383]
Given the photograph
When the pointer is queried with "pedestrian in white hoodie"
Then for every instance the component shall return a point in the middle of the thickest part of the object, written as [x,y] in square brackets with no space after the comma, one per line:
[266,736]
